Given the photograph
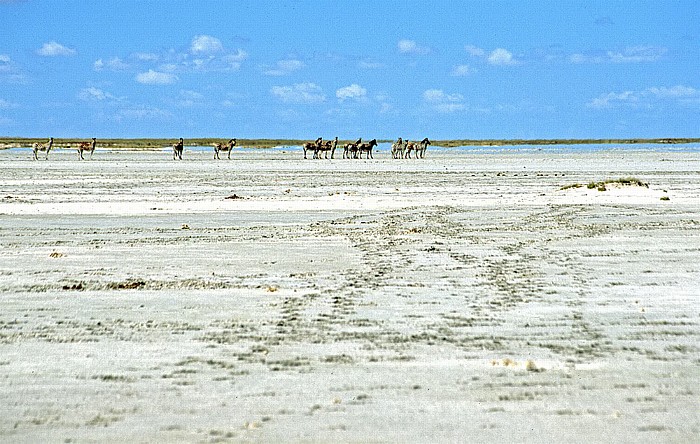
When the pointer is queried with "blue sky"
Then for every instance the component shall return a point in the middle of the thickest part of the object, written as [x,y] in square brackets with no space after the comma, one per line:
[384,69]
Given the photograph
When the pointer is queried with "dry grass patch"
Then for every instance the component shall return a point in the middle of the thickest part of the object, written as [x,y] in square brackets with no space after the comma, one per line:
[602,185]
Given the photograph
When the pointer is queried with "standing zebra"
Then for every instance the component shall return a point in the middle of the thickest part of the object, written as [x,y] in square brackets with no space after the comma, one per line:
[38,146]
[397,149]
[422,148]
[86,146]
[177,149]
[224,147]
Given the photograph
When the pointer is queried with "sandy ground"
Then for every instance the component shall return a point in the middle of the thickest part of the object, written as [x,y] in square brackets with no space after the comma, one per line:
[463,297]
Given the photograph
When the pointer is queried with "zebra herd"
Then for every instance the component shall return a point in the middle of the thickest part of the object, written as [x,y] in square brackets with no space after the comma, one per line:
[399,150]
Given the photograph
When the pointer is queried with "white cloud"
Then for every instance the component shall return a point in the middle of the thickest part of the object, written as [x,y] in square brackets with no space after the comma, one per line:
[4,104]
[610,99]
[145,56]
[637,54]
[474,51]
[634,54]
[234,60]
[678,91]
[367,64]
[285,67]
[647,98]
[353,91]
[94,94]
[305,93]
[170,67]
[156,78]
[411,47]
[5,63]
[190,98]
[500,56]
[443,102]
[115,64]
[53,48]
[206,44]
[461,71]
[142,112]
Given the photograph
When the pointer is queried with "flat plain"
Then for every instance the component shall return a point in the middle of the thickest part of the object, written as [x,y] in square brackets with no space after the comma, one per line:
[464,296]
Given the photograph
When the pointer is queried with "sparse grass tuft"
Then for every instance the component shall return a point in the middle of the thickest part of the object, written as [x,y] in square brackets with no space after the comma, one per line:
[665,198]
[573,185]
[601,186]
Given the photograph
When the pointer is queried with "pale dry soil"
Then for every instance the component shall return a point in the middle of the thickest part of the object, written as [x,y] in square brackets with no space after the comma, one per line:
[463,297]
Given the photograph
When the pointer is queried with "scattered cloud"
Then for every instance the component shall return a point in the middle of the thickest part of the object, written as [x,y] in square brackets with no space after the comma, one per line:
[234,60]
[634,54]
[114,64]
[411,47]
[145,56]
[190,98]
[637,54]
[304,93]
[52,49]
[141,112]
[474,51]
[368,64]
[6,64]
[500,56]
[647,98]
[156,78]
[4,104]
[206,44]
[443,102]
[93,94]
[461,71]
[354,92]
[285,67]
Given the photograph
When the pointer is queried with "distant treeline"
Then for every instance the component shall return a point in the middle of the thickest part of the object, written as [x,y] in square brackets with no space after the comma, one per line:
[153,144]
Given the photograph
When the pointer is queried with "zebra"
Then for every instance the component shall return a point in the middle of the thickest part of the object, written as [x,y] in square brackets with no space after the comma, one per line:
[329,145]
[422,148]
[350,149]
[367,147]
[177,149]
[397,149]
[308,146]
[86,146]
[224,147]
[38,146]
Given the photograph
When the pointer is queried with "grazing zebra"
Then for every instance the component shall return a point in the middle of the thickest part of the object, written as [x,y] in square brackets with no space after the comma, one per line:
[366,147]
[329,145]
[177,149]
[224,147]
[38,146]
[308,146]
[350,149]
[397,149]
[86,146]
